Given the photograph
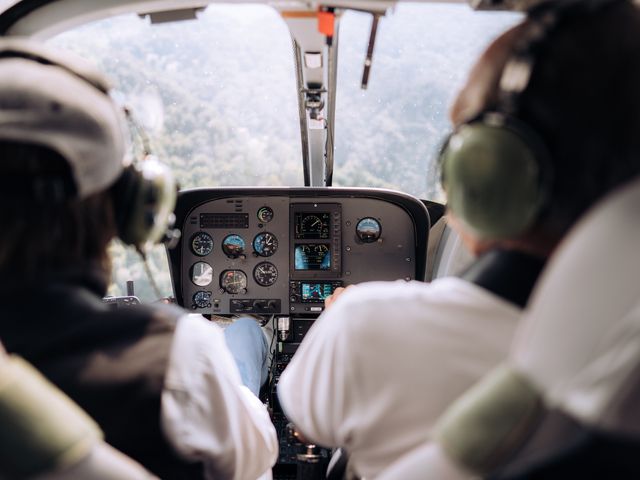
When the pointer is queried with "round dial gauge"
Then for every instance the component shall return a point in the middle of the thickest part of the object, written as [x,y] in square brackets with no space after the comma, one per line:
[265,214]
[201,274]
[368,230]
[265,244]
[312,224]
[201,244]
[265,274]
[233,246]
[233,281]
[202,299]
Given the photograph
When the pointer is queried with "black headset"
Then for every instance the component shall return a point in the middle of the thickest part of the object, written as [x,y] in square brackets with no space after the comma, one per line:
[496,170]
[144,195]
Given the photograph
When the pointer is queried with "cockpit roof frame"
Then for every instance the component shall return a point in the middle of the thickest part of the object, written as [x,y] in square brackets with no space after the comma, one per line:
[45,18]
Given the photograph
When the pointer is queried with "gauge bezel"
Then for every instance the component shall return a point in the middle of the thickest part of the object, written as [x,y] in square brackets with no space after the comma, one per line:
[191,275]
[234,254]
[255,276]
[274,246]
[265,208]
[224,286]
[198,305]
[192,248]
[372,239]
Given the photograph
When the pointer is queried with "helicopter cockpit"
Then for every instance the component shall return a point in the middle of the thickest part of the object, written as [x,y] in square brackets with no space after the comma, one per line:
[304,136]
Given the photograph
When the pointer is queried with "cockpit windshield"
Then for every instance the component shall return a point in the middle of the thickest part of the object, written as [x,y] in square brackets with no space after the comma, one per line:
[217,97]
[388,135]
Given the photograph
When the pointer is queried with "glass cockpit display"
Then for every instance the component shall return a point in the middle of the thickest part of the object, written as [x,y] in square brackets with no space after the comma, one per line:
[312,256]
[312,226]
[311,292]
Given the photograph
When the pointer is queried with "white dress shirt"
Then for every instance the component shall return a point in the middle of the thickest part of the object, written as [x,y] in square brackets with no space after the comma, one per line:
[386,359]
[207,414]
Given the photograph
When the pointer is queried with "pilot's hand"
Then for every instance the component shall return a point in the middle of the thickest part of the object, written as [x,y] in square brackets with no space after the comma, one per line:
[336,293]
[166,300]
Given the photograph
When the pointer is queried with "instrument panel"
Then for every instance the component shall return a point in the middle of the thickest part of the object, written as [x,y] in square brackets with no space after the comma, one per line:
[284,250]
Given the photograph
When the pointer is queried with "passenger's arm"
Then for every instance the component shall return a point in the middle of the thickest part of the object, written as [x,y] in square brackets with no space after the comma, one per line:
[428,462]
[207,414]
[312,388]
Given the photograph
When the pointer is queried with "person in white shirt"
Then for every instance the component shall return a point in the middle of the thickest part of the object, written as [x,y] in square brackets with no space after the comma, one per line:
[385,359]
[162,384]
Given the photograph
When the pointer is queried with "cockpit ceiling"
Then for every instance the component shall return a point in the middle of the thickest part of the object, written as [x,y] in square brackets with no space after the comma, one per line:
[45,18]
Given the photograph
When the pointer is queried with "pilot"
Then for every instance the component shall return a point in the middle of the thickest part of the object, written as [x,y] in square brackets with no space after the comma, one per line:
[162,384]
[526,159]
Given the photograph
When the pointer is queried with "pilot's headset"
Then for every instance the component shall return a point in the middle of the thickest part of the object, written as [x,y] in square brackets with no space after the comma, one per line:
[496,170]
[56,100]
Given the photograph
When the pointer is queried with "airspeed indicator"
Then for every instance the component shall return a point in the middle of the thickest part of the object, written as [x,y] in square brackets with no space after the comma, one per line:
[265,274]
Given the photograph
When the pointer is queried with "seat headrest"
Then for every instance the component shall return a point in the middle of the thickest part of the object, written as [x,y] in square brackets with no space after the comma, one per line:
[579,340]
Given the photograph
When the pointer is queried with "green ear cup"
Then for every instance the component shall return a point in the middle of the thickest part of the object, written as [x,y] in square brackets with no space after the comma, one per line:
[144,199]
[492,177]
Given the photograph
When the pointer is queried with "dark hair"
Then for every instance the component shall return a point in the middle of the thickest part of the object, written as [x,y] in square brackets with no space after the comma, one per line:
[43,237]
[584,100]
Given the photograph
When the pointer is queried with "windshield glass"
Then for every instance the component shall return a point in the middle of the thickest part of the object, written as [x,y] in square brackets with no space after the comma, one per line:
[217,95]
[218,98]
[388,135]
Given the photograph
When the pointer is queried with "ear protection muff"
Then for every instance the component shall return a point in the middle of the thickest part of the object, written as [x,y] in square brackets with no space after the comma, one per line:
[495,169]
[145,192]
[144,198]
[496,173]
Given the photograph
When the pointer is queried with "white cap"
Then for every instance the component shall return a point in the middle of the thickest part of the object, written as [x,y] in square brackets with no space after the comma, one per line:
[60,101]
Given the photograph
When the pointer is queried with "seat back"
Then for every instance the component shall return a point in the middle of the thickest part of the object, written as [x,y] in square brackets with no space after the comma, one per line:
[45,435]
[580,342]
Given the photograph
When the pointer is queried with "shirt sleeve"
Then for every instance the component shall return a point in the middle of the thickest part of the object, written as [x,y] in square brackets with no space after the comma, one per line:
[207,414]
[313,390]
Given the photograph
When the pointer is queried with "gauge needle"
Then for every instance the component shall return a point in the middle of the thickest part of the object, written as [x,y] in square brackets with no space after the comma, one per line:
[316,222]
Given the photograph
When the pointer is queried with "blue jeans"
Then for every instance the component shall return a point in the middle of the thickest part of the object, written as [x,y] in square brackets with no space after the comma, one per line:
[249,348]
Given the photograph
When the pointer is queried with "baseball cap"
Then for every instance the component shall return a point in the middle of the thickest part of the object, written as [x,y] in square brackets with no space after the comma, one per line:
[60,101]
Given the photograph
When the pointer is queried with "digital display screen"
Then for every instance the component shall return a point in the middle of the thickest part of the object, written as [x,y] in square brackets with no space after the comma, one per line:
[312,226]
[312,256]
[311,292]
